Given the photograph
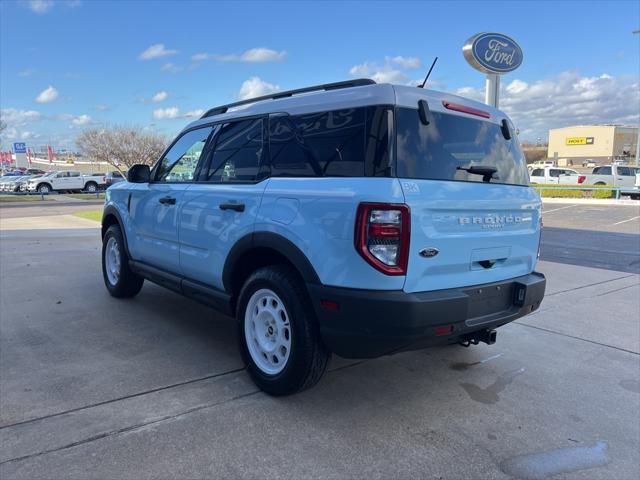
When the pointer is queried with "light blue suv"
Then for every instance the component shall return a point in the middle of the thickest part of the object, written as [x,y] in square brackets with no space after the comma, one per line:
[356,218]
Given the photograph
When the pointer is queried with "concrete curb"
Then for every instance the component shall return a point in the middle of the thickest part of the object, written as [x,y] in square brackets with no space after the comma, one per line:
[592,201]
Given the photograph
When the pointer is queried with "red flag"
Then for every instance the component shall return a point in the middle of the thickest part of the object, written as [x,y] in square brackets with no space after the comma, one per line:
[50,154]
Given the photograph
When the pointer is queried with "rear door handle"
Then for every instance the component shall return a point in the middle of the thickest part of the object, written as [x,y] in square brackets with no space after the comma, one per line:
[238,207]
[167,201]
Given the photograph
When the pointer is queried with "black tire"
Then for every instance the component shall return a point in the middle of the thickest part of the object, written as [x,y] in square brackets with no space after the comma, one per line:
[128,284]
[308,357]
[44,188]
[91,187]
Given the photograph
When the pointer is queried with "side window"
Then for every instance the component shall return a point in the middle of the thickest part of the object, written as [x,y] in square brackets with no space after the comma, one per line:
[538,172]
[625,171]
[62,174]
[554,173]
[325,144]
[237,152]
[74,174]
[179,163]
[605,171]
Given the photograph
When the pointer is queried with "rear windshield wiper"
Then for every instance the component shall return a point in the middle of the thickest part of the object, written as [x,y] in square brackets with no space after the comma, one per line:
[484,170]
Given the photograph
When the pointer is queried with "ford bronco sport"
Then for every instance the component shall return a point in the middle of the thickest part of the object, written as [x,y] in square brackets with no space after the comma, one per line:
[356,218]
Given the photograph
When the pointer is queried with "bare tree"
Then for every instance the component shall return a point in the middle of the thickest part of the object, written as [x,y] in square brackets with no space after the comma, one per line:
[3,127]
[121,146]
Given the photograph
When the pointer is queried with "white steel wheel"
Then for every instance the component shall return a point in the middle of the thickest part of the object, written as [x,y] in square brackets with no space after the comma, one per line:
[112,261]
[267,331]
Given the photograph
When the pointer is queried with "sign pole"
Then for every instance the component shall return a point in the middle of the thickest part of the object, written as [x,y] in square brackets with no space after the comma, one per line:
[492,90]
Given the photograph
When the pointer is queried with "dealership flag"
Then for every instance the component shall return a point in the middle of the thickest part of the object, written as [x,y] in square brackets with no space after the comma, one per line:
[29,156]
[50,154]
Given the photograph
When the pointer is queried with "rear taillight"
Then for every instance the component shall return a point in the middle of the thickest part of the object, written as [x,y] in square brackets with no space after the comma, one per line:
[382,236]
[581,179]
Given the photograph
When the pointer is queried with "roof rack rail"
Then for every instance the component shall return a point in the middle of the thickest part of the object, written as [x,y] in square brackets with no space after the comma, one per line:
[358,82]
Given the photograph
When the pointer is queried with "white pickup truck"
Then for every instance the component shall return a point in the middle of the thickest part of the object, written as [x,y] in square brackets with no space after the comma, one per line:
[556,175]
[615,175]
[69,180]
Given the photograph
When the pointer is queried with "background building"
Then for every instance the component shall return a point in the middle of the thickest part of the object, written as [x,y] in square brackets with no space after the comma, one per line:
[600,143]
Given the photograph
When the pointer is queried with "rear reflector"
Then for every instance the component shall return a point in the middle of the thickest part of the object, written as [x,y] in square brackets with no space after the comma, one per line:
[440,331]
[330,305]
[581,179]
[464,109]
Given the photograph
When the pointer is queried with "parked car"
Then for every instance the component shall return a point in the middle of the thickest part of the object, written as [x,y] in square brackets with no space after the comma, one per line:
[615,175]
[542,164]
[8,184]
[24,184]
[355,218]
[34,171]
[69,180]
[589,163]
[16,183]
[113,177]
[557,175]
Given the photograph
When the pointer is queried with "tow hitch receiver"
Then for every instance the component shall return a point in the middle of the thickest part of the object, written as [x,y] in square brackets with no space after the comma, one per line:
[486,336]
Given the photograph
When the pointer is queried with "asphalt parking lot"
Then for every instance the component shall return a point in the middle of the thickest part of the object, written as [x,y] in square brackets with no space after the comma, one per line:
[94,387]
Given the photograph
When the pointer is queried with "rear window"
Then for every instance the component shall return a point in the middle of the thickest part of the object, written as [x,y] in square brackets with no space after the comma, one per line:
[437,151]
[352,142]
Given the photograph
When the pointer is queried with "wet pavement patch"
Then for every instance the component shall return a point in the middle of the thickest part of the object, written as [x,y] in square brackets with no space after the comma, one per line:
[539,466]
[490,395]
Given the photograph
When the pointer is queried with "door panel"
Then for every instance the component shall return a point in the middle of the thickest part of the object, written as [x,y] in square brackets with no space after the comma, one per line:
[218,213]
[156,225]
[207,233]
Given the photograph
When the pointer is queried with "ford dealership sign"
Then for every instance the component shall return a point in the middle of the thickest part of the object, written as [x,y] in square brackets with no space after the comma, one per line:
[493,53]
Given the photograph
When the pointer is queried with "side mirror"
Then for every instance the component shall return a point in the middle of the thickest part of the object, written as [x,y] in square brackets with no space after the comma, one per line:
[139,174]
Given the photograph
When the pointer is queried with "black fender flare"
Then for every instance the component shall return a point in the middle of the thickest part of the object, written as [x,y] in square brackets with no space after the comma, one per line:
[110,210]
[272,241]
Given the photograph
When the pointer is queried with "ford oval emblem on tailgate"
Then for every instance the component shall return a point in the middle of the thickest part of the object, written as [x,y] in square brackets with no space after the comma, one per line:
[429,252]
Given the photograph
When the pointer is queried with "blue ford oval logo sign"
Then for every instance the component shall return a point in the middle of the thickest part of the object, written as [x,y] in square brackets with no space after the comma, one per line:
[493,53]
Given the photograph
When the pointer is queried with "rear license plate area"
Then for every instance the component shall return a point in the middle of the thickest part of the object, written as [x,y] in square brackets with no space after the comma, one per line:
[490,299]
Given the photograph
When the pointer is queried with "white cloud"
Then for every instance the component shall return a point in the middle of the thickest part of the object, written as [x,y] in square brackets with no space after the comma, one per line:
[388,74]
[47,95]
[160,96]
[81,120]
[18,118]
[27,135]
[404,62]
[102,107]
[517,86]
[166,113]
[156,51]
[262,55]
[253,55]
[256,87]
[194,113]
[40,6]
[171,68]
[567,99]
[362,69]
[26,72]
[174,112]
[199,57]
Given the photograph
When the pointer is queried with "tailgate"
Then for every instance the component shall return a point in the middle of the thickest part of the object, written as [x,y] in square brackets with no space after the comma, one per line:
[482,233]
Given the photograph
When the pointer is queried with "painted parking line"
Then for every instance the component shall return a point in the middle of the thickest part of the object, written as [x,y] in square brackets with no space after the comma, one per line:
[556,209]
[625,221]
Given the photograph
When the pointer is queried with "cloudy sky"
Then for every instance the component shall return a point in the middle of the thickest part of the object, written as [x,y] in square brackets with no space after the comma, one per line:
[68,65]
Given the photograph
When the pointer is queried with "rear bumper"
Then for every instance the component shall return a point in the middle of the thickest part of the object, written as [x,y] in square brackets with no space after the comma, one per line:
[371,323]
